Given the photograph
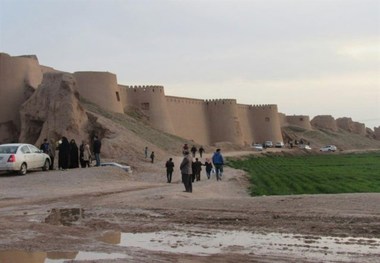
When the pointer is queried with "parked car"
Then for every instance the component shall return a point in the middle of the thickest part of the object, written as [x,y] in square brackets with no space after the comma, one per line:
[22,157]
[279,145]
[268,144]
[257,147]
[328,148]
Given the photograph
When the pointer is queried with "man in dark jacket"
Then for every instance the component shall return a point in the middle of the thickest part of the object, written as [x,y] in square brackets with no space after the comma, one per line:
[197,168]
[169,169]
[96,147]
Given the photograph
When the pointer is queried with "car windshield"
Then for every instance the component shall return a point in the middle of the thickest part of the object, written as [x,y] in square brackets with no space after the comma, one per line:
[8,149]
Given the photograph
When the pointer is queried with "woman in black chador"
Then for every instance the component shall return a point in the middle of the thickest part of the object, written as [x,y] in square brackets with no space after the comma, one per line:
[64,154]
[74,156]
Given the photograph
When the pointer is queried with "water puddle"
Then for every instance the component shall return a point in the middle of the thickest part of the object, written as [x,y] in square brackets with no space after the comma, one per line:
[64,216]
[207,242]
[18,256]
[203,242]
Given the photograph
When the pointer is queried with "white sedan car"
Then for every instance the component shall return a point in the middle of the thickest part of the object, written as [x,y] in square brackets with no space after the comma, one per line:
[22,157]
[257,147]
[328,148]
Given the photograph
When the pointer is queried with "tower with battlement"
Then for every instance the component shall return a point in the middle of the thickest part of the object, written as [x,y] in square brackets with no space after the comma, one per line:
[224,121]
[100,88]
[265,123]
[151,101]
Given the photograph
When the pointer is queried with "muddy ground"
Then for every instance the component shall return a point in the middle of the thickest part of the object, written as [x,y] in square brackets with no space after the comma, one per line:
[103,214]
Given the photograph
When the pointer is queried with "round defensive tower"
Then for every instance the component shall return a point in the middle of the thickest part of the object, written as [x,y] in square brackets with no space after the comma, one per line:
[302,121]
[224,121]
[324,122]
[151,101]
[265,123]
[100,88]
[19,77]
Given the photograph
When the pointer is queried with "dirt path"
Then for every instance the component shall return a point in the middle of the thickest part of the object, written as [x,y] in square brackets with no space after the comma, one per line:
[105,215]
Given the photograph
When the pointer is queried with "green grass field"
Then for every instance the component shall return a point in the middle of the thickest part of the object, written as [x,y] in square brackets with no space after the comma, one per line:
[312,174]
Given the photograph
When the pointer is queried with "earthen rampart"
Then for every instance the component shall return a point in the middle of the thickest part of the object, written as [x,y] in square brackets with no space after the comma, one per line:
[302,121]
[376,131]
[324,122]
[348,125]
[282,118]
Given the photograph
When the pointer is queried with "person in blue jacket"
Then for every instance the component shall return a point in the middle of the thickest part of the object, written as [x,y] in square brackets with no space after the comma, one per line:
[218,161]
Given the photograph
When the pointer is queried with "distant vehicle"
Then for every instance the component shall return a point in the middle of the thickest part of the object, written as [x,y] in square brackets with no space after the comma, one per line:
[279,145]
[257,147]
[268,144]
[328,148]
[124,167]
[305,146]
[22,157]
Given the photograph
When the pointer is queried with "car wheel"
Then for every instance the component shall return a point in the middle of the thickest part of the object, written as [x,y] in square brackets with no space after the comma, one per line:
[46,165]
[23,169]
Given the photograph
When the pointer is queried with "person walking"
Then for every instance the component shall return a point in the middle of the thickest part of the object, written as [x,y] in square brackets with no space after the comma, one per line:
[218,162]
[193,150]
[186,171]
[197,168]
[152,157]
[208,165]
[201,151]
[185,148]
[169,169]
[146,152]
[97,145]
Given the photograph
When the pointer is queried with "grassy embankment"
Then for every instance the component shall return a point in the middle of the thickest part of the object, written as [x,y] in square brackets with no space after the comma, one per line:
[312,174]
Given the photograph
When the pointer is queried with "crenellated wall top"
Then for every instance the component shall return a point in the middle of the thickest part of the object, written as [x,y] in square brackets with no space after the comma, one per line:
[258,106]
[220,101]
[143,87]
[184,100]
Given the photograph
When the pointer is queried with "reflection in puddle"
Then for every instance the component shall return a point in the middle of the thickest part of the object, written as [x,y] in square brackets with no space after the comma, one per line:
[18,256]
[64,216]
[203,242]
[206,242]
[111,237]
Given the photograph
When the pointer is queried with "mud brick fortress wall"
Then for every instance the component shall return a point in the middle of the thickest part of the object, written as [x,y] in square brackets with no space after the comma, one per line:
[203,121]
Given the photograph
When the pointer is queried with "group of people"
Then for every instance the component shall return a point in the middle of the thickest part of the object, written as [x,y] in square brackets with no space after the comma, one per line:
[193,150]
[70,156]
[191,170]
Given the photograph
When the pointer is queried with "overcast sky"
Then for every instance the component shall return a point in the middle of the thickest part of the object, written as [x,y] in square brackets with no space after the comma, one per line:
[310,57]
